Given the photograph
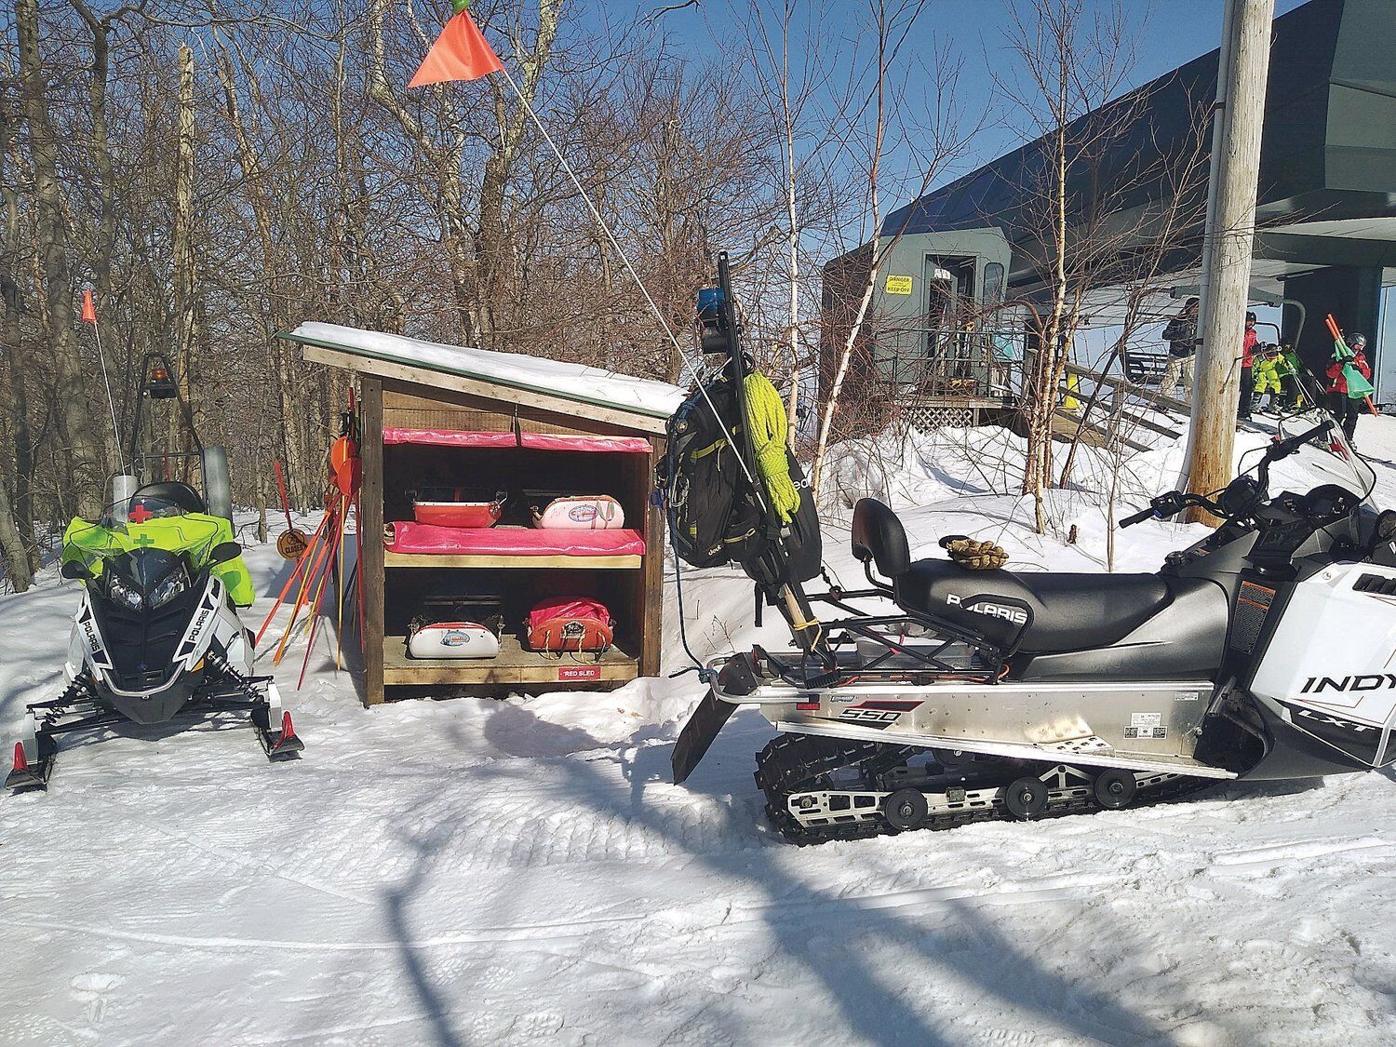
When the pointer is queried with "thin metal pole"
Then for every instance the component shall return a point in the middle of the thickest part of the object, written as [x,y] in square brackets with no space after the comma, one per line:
[111,404]
[620,253]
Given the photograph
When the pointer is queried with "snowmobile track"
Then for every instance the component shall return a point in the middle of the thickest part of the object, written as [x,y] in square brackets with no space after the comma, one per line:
[793,763]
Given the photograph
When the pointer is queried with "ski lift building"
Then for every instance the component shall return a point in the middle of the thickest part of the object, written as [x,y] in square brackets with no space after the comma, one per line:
[501,422]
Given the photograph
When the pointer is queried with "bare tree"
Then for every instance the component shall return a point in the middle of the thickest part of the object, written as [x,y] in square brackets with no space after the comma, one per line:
[934,139]
[1087,231]
[71,397]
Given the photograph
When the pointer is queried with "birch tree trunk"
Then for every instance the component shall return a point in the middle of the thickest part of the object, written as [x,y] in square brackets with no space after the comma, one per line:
[12,549]
[182,248]
[292,410]
[445,162]
[99,149]
[12,336]
[826,422]
[490,245]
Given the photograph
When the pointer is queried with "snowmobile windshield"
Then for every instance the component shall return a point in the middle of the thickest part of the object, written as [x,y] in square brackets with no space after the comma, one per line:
[1329,459]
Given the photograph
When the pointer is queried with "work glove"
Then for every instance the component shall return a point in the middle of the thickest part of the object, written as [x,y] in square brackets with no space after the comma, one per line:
[976,556]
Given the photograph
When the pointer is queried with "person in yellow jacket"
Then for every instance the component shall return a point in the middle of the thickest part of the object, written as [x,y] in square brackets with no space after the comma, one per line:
[1268,376]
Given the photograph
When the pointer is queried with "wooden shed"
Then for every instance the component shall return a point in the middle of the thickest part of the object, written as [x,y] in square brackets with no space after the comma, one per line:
[529,429]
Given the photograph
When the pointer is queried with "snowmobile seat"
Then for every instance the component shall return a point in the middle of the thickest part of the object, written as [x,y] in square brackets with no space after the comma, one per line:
[1064,612]
[170,492]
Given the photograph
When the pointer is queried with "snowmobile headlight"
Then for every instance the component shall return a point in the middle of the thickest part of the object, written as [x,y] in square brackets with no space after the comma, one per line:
[167,589]
[122,592]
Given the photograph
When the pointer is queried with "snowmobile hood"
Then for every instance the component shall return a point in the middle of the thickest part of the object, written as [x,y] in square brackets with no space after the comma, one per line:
[194,534]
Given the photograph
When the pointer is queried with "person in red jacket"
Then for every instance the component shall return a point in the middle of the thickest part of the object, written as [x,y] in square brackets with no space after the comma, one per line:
[1344,407]
[1243,407]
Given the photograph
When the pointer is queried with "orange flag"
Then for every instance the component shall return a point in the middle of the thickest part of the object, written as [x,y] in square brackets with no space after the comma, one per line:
[460,53]
[89,308]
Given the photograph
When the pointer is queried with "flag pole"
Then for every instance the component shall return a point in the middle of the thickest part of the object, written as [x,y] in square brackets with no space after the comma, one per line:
[620,253]
[111,404]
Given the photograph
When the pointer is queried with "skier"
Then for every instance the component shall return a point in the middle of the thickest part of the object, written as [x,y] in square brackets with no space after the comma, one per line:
[1289,371]
[1243,408]
[1343,406]
[1268,377]
[1181,336]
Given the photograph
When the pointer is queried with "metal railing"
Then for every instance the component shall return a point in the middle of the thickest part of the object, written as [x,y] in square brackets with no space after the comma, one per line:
[948,362]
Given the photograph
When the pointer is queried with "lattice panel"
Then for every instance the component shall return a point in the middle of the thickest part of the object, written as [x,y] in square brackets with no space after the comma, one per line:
[935,416]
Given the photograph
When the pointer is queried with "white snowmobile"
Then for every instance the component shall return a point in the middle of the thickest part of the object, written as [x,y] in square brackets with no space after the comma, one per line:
[157,633]
[1263,651]
[945,695]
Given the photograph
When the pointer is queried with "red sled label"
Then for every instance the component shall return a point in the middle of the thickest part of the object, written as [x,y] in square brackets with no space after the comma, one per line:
[579,672]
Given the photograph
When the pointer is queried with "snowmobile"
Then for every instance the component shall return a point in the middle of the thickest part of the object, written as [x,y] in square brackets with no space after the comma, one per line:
[941,695]
[157,633]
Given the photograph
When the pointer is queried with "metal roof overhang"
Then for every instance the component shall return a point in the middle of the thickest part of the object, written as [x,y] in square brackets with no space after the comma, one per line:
[1327,181]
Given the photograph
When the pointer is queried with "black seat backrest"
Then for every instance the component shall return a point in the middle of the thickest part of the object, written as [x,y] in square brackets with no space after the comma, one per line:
[174,492]
[879,536]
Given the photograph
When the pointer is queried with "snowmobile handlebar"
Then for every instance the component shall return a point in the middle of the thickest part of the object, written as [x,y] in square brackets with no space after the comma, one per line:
[1173,502]
[1284,448]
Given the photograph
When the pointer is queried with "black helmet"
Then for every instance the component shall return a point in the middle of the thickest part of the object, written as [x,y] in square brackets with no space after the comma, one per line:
[1357,340]
[1250,318]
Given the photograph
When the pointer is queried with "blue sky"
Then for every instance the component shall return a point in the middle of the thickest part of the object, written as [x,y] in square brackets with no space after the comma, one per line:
[1167,33]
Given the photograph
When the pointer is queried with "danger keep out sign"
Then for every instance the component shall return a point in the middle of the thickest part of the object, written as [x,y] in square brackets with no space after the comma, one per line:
[898,284]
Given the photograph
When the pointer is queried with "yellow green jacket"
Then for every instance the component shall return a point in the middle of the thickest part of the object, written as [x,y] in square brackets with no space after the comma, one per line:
[194,533]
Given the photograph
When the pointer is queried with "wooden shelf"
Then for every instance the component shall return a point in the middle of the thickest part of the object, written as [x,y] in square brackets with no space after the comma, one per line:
[625,563]
[513,666]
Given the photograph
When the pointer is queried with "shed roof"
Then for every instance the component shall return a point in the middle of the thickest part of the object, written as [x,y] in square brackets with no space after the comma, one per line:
[586,391]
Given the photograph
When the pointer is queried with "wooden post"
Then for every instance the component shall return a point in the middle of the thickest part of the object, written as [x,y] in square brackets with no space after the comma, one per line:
[652,582]
[1231,233]
[371,524]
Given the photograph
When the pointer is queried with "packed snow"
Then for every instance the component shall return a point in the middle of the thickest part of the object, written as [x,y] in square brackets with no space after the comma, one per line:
[572,381]
[521,871]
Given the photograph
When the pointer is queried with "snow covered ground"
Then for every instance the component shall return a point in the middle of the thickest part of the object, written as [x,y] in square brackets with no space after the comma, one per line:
[521,872]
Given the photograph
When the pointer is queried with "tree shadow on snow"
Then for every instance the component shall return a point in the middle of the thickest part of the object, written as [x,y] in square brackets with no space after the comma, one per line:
[397,902]
[840,957]
[847,950]
[851,946]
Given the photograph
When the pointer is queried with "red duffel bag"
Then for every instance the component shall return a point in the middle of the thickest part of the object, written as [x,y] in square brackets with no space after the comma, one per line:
[570,623]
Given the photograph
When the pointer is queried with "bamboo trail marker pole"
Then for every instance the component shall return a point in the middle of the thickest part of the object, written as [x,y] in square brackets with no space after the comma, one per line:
[318,603]
[301,564]
[1231,231]
[326,544]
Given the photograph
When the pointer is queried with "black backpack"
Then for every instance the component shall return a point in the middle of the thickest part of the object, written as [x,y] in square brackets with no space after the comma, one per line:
[713,515]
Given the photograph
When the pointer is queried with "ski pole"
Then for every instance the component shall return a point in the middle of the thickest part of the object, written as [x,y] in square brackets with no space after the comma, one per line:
[339,558]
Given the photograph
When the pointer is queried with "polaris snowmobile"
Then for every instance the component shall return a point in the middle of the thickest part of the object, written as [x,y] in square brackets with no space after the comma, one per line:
[943,695]
[157,633]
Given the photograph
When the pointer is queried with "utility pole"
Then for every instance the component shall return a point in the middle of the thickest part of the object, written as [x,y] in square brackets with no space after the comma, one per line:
[1228,242]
